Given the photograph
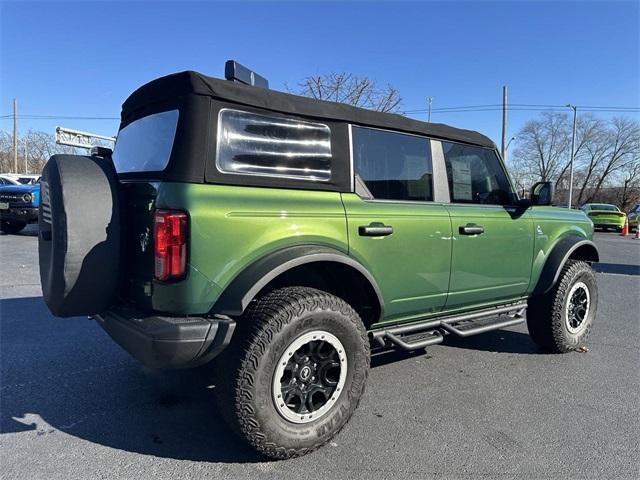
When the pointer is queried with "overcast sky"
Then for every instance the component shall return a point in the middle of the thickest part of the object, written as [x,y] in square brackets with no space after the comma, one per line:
[83,59]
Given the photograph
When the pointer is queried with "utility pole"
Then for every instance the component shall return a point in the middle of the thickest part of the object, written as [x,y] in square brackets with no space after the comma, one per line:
[15,135]
[429,100]
[503,149]
[573,153]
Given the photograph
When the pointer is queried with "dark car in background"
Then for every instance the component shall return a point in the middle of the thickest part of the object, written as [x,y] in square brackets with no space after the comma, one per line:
[18,206]
[634,217]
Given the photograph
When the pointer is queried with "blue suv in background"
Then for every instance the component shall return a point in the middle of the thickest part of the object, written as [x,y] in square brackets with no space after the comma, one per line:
[18,206]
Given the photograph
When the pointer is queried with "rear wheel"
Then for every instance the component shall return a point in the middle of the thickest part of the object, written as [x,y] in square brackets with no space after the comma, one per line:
[12,226]
[560,320]
[295,372]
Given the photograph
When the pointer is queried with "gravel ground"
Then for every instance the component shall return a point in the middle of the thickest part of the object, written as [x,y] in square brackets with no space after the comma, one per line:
[74,405]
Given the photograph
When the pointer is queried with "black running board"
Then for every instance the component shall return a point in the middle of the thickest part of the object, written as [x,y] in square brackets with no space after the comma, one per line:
[430,332]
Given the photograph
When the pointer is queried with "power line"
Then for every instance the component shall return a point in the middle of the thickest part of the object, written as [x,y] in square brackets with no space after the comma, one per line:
[564,106]
[524,107]
[451,108]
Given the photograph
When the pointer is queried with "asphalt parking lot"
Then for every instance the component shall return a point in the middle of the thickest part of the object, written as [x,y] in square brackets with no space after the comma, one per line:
[74,405]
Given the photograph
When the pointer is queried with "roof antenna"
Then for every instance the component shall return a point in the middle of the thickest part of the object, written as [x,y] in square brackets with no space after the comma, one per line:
[235,72]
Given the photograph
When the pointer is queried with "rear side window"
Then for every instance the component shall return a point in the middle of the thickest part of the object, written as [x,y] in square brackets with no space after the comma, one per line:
[145,145]
[264,145]
[476,175]
[393,166]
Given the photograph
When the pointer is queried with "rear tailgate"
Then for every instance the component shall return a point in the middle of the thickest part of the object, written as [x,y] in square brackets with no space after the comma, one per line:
[139,198]
[606,215]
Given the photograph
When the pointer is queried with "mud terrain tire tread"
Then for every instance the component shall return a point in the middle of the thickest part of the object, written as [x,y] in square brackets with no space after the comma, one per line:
[545,314]
[256,332]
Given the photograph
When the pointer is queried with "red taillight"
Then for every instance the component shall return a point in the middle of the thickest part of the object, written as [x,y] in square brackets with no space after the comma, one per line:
[170,244]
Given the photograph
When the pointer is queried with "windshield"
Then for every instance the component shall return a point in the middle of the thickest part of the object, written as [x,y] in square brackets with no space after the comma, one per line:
[145,145]
[608,208]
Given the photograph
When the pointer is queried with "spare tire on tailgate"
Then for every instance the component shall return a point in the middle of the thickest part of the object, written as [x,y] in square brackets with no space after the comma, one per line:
[79,240]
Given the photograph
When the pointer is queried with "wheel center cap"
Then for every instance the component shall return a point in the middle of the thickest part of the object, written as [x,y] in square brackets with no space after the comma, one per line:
[305,373]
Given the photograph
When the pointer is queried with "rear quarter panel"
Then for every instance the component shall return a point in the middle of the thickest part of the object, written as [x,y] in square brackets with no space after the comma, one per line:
[232,226]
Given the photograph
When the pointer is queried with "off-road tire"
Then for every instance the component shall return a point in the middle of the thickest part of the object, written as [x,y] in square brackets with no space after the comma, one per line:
[245,371]
[12,227]
[546,315]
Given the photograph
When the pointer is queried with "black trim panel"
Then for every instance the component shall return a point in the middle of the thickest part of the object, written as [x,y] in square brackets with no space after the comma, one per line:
[559,256]
[237,296]
[167,342]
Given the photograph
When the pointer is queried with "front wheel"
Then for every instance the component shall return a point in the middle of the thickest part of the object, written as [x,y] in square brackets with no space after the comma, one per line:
[295,373]
[560,320]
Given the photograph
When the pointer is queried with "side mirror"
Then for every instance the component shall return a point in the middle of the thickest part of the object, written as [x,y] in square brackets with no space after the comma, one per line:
[542,193]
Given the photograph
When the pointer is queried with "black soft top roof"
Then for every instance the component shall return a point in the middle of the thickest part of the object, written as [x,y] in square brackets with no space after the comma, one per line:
[189,82]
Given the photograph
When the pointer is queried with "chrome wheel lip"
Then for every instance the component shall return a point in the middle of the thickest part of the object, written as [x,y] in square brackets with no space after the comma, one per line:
[276,388]
[573,321]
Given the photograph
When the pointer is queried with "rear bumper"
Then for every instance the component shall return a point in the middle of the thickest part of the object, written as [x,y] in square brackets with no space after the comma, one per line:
[608,224]
[167,342]
[20,214]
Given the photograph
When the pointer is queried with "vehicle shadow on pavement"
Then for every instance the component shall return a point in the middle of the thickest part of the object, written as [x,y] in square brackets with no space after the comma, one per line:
[65,376]
[381,358]
[618,268]
[29,231]
[499,341]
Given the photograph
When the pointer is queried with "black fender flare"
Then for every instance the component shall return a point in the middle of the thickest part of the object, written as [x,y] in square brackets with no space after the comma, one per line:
[248,283]
[561,252]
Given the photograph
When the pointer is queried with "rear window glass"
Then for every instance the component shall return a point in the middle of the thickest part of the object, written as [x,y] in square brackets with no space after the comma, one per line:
[145,145]
[264,145]
[607,208]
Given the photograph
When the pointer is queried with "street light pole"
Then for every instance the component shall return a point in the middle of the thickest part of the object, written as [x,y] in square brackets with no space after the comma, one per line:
[573,146]
[26,156]
[430,99]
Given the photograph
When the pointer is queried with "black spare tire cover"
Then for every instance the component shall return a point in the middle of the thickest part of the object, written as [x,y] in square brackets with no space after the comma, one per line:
[79,240]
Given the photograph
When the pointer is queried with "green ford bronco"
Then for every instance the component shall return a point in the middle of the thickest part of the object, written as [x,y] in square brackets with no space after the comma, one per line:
[285,239]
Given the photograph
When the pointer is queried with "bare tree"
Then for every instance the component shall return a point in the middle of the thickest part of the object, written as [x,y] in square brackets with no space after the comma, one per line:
[542,147]
[624,143]
[350,89]
[6,152]
[40,146]
[592,148]
[606,157]
[586,129]
[631,183]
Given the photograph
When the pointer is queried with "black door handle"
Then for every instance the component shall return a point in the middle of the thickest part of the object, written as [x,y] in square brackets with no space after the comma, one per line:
[471,230]
[375,230]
